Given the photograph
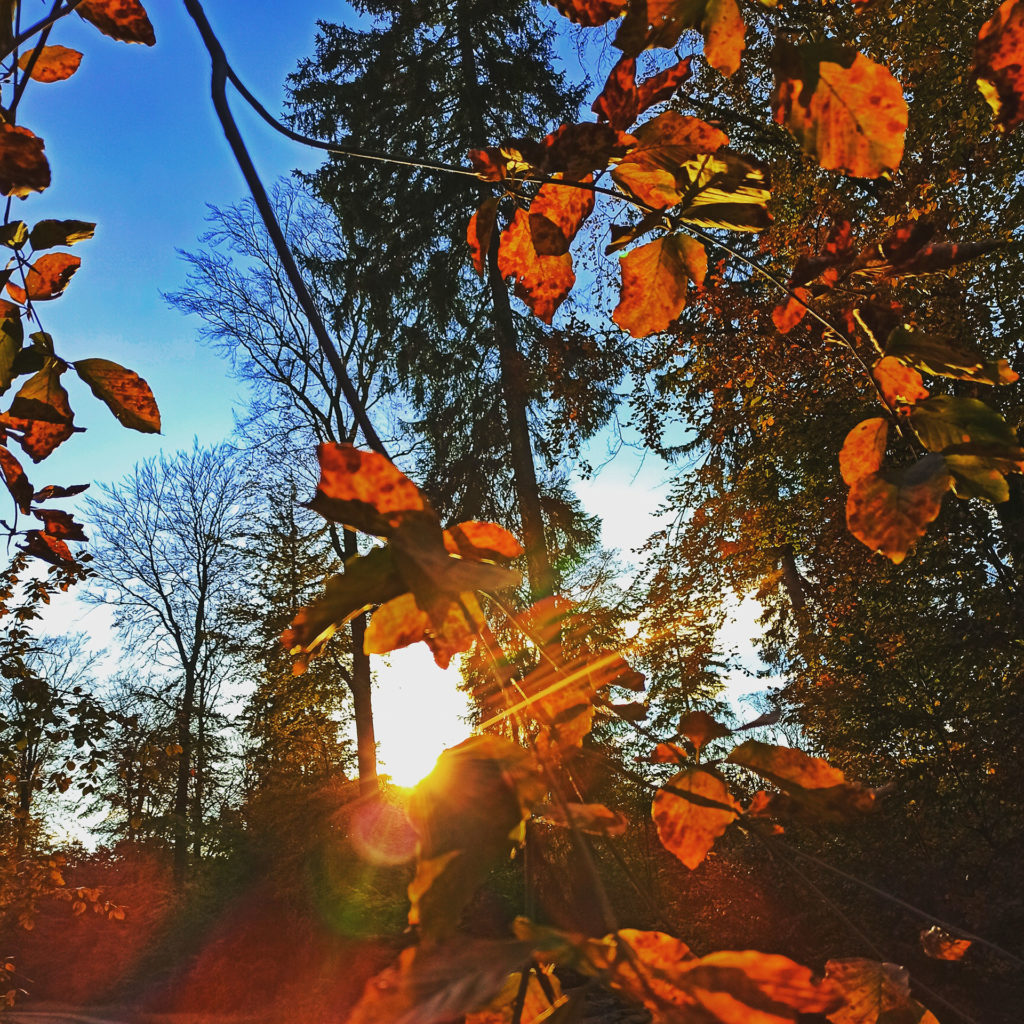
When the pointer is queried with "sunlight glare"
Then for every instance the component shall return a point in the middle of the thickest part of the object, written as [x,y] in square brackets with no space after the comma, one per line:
[418,712]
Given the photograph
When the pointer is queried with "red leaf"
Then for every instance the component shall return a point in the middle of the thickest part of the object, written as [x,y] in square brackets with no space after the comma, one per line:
[49,549]
[23,166]
[556,215]
[663,85]
[54,63]
[792,311]
[55,491]
[60,524]
[691,811]
[478,234]
[654,281]
[899,384]
[542,282]
[16,480]
[940,945]
[46,278]
[699,727]
[576,150]
[37,437]
[124,393]
[124,20]
[999,63]
[619,102]
[845,109]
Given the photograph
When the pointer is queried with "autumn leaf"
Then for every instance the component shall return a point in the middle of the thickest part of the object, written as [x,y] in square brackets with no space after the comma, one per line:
[47,548]
[400,622]
[873,993]
[46,279]
[538,1000]
[479,232]
[48,234]
[477,540]
[812,783]
[23,166]
[725,987]
[792,311]
[16,480]
[60,524]
[660,23]
[38,438]
[542,282]
[699,728]
[439,984]
[619,101]
[668,753]
[12,335]
[124,20]
[556,215]
[944,359]
[52,64]
[843,108]
[593,818]
[691,811]
[949,421]
[364,490]
[42,396]
[863,450]
[940,945]
[52,491]
[663,85]
[899,384]
[124,393]
[999,64]
[465,813]
[889,511]
[590,13]
[654,282]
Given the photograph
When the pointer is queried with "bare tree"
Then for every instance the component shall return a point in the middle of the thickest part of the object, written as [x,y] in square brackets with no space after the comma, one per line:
[170,559]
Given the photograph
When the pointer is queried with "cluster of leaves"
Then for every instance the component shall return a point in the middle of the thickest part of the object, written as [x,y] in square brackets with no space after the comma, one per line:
[40,417]
[848,114]
[543,694]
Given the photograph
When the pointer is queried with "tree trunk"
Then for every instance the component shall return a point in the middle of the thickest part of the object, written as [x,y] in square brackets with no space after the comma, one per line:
[362,698]
[179,810]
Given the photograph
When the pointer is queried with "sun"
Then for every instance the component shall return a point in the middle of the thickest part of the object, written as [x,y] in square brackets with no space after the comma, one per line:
[418,712]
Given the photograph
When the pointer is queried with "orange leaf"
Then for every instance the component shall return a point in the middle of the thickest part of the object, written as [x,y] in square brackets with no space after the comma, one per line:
[400,623]
[37,437]
[863,450]
[653,169]
[542,282]
[124,393]
[556,214]
[900,384]
[845,109]
[16,480]
[478,540]
[792,311]
[873,992]
[576,150]
[54,63]
[619,101]
[654,280]
[594,818]
[49,549]
[890,512]
[724,35]
[364,490]
[124,20]
[668,753]
[23,166]
[940,945]
[46,278]
[999,63]
[699,727]
[478,234]
[590,12]
[691,811]
[662,86]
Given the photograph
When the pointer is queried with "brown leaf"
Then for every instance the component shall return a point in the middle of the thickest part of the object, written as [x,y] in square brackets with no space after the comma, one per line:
[812,782]
[668,753]
[50,233]
[863,450]
[619,100]
[699,727]
[48,548]
[46,278]
[53,64]
[542,282]
[60,524]
[593,818]
[576,150]
[874,993]
[477,540]
[654,281]
[845,109]
[55,491]
[999,63]
[722,988]
[16,480]
[899,384]
[23,166]
[590,13]
[691,811]
[38,438]
[479,232]
[42,396]
[364,490]
[944,359]
[556,215]
[123,392]
[661,22]
[940,945]
[663,86]
[124,20]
